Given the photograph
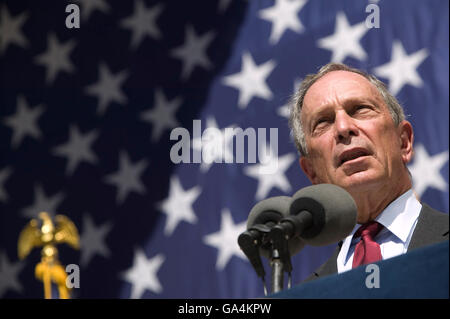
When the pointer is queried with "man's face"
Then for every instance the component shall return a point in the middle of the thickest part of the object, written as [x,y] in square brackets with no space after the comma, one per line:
[351,138]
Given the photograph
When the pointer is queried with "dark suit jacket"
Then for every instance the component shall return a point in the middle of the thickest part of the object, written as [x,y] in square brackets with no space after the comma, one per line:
[432,227]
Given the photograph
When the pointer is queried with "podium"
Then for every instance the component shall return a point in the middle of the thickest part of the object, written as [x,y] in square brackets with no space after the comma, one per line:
[420,273]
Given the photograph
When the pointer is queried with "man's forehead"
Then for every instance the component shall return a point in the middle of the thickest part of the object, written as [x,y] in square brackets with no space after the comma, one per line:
[339,85]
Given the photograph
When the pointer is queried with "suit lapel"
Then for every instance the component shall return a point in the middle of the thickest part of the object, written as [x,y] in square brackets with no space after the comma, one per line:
[432,227]
[327,268]
[330,266]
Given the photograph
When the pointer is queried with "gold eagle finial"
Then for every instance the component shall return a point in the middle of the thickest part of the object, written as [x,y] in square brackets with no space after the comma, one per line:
[46,234]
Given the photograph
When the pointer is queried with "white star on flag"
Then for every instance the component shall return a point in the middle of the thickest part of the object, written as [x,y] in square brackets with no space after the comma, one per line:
[10,29]
[178,205]
[283,15]
[92,240]
[56,58]
[143,22]
[425,170]
[24,121]
[142,275]
[42,203]
[402,69]
[89,6]
[162,116]
[345,40]
[127,178]
[225,240]
[251,80]
[193,51]
[9,275]
[107,89]
[77,149]
[271,173]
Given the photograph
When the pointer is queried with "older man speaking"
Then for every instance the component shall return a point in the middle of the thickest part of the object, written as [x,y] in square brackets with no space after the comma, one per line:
[351,132]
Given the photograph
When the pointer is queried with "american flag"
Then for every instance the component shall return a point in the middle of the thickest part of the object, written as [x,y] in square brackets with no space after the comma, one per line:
[86,115]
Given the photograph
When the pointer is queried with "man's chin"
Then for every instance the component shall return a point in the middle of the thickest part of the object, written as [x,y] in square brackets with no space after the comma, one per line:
[358,182]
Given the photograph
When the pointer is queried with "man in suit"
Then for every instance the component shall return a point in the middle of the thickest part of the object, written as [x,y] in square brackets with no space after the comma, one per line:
[351,132]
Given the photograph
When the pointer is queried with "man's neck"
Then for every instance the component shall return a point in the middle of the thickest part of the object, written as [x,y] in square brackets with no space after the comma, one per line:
[371,204]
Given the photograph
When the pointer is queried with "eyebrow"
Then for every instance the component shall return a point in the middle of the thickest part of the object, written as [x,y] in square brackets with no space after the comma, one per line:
[347,103]
[353,101]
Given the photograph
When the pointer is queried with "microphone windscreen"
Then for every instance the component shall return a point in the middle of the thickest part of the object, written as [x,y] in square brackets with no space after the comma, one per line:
[273,209]
[333,209]
[269,210]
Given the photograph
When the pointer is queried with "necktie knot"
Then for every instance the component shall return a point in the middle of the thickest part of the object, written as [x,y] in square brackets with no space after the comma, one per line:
[367,250]
[370,229]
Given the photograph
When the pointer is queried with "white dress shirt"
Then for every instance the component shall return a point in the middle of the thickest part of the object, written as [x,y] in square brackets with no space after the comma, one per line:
[399,219]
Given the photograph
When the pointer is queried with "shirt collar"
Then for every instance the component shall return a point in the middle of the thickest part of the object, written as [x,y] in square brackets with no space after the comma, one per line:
[398,217]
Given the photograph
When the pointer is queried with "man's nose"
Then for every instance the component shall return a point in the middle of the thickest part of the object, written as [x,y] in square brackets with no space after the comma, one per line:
[345,127]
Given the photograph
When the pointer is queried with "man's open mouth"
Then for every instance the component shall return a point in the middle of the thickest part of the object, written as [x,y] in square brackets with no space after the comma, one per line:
[352,154]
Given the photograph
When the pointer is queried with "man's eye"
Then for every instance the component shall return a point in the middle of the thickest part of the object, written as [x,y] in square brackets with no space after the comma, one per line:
[321,122]
[362,108]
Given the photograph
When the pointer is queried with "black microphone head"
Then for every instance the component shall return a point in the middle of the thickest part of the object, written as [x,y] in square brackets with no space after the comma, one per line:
[273,210]
[333,209]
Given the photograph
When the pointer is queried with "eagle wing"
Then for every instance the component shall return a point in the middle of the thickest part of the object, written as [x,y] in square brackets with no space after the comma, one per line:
[66,232]
[29,238]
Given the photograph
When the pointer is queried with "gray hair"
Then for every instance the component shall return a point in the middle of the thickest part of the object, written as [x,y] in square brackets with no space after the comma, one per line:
[296,104]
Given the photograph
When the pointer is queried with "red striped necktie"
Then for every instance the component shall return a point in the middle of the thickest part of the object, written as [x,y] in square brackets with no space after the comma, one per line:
[367,250]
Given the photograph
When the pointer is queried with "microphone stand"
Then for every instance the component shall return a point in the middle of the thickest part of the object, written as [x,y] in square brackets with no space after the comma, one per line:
[281,258]
[280,261]
[277,272]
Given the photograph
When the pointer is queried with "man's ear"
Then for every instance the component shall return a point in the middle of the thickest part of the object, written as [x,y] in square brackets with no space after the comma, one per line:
[407,140]
[306,165]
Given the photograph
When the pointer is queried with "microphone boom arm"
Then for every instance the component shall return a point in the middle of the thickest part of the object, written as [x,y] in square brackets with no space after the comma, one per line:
[287,228]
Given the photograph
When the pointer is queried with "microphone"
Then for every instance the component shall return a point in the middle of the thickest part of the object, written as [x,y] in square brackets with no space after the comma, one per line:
[320,215]
[262,218]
